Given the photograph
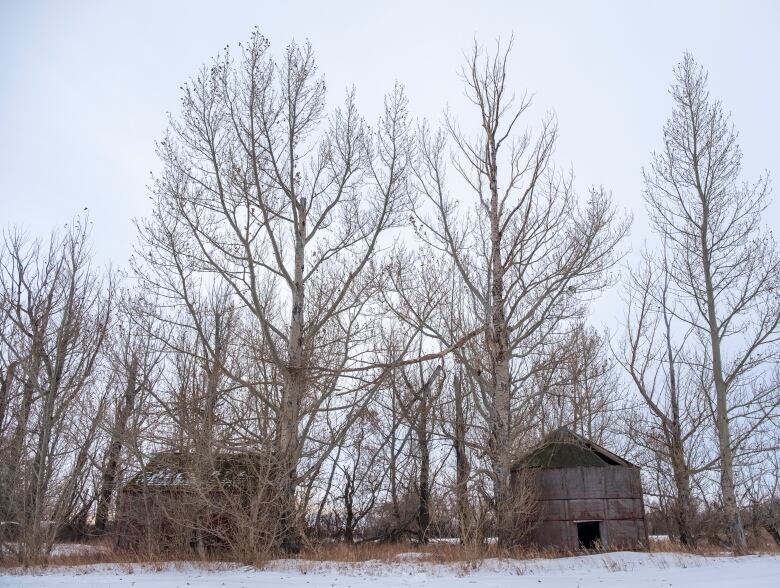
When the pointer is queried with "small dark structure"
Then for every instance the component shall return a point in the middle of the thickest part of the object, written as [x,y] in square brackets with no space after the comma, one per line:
[181,500]
[587,497]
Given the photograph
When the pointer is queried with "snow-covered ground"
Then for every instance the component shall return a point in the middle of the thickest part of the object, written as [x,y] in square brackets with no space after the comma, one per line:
[637,570]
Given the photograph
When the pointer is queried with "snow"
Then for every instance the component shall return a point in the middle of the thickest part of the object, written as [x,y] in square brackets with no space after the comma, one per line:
[166,477]
[639,570]
[62,549]
[656,538]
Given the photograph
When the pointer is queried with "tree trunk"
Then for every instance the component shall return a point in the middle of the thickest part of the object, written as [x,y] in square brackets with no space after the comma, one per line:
[108,481]
[730,506]
[349,520]
[39,477]
[424,509]
[31,383]
[682,476]
[292,395]
[462,467]
[498,344]
[42,462]
[421,424]
[5,387]
[393,466]
[684,507]
[326,495]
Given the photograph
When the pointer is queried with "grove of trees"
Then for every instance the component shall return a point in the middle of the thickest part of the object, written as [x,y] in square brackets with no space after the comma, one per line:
[389,314]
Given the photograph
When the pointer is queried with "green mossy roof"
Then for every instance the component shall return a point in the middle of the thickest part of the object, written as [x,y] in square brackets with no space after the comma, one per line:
[562,455]
[565,449]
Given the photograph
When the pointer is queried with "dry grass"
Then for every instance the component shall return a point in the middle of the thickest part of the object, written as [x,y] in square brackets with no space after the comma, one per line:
[341,553]
[440,553]
[102,553]
[436,553]
[710,549]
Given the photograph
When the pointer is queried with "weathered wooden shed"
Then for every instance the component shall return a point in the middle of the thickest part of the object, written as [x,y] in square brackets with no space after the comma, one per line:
[586,495]
[179,500]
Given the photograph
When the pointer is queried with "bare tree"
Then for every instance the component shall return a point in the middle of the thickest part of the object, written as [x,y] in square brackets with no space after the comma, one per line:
[763,495]
[362,476]
[460,429]
[57,311]
[674,426]
[418,407]
[579,386]
[133,359]
[285,207]
[524,252]
[724,266]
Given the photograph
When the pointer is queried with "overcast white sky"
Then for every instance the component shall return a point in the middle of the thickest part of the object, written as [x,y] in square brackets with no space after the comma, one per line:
[85,86]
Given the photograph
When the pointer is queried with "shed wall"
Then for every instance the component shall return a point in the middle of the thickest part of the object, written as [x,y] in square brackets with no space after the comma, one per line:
[159,516]
[176,519]
[610,494]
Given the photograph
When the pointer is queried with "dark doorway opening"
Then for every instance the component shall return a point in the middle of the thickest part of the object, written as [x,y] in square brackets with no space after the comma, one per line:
[589,534]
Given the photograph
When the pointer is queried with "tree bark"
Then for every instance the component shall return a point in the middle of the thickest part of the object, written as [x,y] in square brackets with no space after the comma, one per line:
[424,486]
[730,507]
[293,393]
[462,467]
[680,470]
[498,344]
[108,479]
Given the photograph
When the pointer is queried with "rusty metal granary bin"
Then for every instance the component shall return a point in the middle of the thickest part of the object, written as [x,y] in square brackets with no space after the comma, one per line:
[587,497]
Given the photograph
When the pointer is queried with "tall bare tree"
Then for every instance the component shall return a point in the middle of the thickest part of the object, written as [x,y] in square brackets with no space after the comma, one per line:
[522,248]
[724,265]
[674,425]
[285,207]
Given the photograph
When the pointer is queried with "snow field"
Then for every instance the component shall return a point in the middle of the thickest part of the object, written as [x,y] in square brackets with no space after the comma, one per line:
[638,570]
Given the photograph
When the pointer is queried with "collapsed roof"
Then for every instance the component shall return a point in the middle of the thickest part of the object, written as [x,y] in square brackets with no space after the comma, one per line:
[174,469]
